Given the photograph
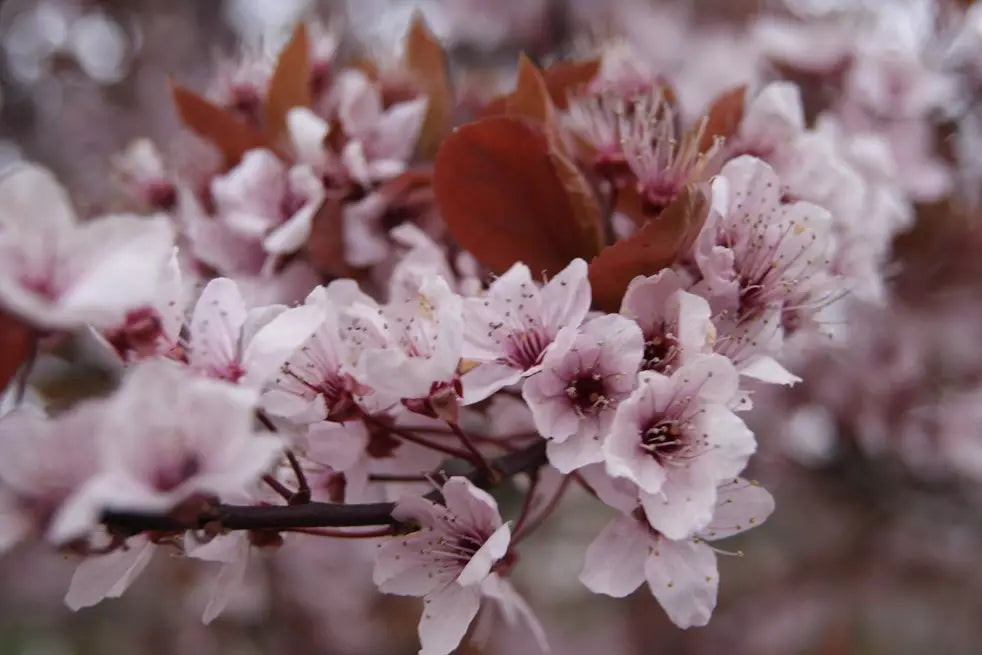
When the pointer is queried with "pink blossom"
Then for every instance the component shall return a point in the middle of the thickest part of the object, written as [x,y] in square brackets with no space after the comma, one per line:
[409,347]
[676,438]
[315,391]
[584,374]
[451,561]
[232,552]
[166,436]
[59,273]
[676,324]
[508,330]
[760,260]
[43,461]
[229,342]
[380,141]
[262,200]
[681,574]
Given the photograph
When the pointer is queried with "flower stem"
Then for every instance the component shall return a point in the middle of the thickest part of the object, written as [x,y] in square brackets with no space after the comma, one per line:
[477,458]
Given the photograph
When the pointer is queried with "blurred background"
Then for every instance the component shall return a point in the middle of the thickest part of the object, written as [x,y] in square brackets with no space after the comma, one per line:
[875,460]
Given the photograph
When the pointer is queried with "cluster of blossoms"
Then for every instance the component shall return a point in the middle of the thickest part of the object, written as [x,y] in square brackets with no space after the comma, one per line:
[312,314]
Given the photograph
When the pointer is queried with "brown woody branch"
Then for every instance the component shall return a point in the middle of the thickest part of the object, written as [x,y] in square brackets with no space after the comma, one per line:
[307,515]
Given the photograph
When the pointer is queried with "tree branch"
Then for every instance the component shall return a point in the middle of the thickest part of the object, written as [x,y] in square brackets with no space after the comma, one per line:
[307,515]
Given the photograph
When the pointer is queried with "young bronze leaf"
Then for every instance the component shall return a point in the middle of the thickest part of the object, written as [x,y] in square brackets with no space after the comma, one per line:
[656,245]
[426,59]
[499,192]
[15,346]
[565,76]
[290,85]
[325,246]
[231,135]
[530,99]
[583,200]
[724,116]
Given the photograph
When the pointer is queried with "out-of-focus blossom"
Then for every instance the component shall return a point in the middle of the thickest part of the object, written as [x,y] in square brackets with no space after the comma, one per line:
[58,273]
[166,436]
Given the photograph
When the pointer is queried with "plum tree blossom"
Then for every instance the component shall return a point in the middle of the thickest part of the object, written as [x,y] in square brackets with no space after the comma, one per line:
[585,373]
[681,573]
[451,562]
[374,299]
[164,438]
[676,438]
[507,331]
[58,273]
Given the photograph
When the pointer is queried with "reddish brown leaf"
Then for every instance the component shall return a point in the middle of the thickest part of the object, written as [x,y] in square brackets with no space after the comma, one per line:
[325,246]
[15,346]
[530,99]
[498,190]
[724,116]
[565,76]
[427,61]
[289,86]
[231,135]
[654,246]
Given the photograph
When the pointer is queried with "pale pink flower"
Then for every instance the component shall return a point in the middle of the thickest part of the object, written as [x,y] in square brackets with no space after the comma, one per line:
[584,374]
[507,330]
[681,574]
[156,328]
[58,273]
[43,461]
[229,342]
[676,438]
[262,200]
[410,347]
[663,159]
[140,172]
[676,324]
[760,259]
[451,561]
[168,435]
[315,391]
[381,142]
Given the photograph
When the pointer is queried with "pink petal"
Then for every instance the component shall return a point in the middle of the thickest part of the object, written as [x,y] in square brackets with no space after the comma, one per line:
[614,563]
[682,575]
[447,613]
[108,576]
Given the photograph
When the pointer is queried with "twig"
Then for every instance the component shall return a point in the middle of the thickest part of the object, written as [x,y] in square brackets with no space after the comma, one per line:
[278,487]
[415,438]
[477,458]
[308,515]
[549,507]
[345,534]
[303,487]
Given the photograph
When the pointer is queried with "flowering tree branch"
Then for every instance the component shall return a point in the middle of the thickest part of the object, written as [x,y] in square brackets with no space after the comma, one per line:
[307,515]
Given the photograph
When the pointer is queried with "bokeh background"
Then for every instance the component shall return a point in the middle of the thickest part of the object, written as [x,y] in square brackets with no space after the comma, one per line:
[875,461]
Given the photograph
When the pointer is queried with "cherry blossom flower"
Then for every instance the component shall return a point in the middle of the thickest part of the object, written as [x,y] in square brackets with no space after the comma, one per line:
[380,141]
[315,390]
[58,273]
[676,324]
[682,573]
[676,438]
[662,160]
[508,330]
[409,348]
[759,259]
[42,462]
[451,561]
[261,200]
[166,436]
[229,342]
[584,374]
